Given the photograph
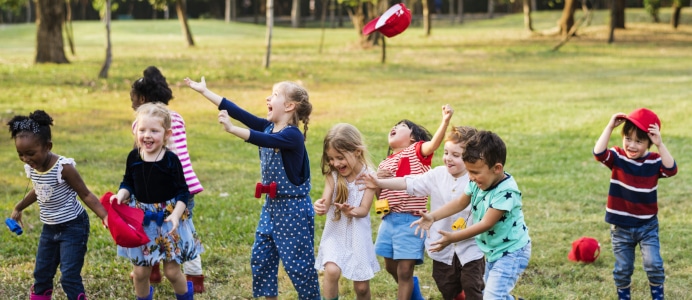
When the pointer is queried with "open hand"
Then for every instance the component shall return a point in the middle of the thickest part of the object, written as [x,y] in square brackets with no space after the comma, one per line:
[346,209]
[423,224]
[366,181]
[200,86]
[442,243]
[175,220]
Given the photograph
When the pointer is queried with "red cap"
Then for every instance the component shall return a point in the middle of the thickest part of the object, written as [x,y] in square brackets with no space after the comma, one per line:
[125,223]
[585,249]
[394,21]
[643,118]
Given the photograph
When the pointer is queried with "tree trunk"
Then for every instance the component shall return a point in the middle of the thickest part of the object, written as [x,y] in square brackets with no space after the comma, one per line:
[270,26]
[675,17]
[227,14]
[109,54]
[460,10]
[427,24]
[567,20]
[50,15]
[491,8]
[295,14]
[182,17]
[527,15]
[619,14]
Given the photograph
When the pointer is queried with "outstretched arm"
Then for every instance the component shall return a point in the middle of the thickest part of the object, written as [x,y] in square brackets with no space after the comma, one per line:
[429,147]
[240,132]
[602,142]
[452,207]
[201,87]
[492,216]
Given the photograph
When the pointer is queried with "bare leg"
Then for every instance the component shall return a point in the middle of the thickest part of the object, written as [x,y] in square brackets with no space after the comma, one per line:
[330,284]
[172,271]
[405,275]
[362,289]
[141,281]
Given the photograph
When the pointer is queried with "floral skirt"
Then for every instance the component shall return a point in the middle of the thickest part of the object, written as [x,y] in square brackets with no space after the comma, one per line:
[180,246]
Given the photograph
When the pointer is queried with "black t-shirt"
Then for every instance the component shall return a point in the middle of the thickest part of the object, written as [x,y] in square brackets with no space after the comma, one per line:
[155,182]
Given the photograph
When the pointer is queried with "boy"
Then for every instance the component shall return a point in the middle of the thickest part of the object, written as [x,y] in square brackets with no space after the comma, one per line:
[459,268]
[499,226]
[632,202]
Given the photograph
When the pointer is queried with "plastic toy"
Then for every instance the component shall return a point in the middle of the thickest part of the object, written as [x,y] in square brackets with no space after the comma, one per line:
[265,188]
[14,226]
[382,207]
[459,224]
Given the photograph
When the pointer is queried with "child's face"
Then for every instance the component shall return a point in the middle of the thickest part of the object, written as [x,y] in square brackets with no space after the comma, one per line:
[400,136]
[151,136]
[32,152]
[346,163]
[484,176]
[136,100]
[277,104]
[452,159]
[634,147]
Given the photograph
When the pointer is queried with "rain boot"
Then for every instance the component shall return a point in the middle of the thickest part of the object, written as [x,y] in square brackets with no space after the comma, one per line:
[624,293]
[460,296]
[416,294]
[45,296]
[155,276]
[151,294]
[189,295]
[656,292]
[197,282]
[81,296]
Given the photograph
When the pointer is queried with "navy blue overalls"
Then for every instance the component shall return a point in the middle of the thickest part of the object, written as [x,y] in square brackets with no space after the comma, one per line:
[285,231]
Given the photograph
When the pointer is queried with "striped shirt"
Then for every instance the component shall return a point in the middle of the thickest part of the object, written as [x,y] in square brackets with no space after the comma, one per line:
[409,161]
[632,196]
[56,199]
[178,145]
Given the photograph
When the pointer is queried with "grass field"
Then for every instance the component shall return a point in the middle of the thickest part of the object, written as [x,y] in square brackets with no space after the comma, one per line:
[549,107]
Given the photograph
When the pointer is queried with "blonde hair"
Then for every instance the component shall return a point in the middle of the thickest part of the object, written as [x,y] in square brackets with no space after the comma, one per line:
[461,134]
[154,110]
[344,138]
[296,93]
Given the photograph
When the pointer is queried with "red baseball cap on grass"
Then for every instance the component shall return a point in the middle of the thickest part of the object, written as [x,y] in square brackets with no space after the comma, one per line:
[585,249]
[392,22]
[643,118]
[125,223]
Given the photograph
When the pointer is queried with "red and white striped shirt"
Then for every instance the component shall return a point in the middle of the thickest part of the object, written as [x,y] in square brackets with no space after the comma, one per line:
[409,161]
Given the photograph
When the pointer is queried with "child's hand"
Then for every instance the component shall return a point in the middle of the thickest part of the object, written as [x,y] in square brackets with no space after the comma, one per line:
[442,243]
[447,113]
[366,181]
[616,120]
[655,134]
[319,207]
[225,120]
[17,216]
[197,86]
[116,199]
[175,220]
[384,173]
[346,209]
[423,224]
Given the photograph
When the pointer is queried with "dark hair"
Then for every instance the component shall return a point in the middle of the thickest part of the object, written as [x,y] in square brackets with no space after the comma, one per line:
[418,133]
[487,146]
[152,87]
[37,123]
[629,127]
[296,93]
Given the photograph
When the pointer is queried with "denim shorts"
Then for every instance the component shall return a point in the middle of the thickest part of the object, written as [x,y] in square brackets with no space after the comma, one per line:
[397,240]
[502,275]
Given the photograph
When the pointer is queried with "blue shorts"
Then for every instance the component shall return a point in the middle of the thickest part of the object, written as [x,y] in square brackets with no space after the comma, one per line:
[396,239]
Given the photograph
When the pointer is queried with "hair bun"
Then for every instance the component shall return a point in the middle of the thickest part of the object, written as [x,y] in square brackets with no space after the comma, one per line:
[41,118]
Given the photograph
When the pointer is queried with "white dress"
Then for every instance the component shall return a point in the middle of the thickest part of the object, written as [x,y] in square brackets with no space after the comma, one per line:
[348,241]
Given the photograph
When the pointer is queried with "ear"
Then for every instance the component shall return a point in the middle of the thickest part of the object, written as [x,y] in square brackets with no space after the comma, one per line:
[49,145]
[289,106]
[498,168]
[168,134]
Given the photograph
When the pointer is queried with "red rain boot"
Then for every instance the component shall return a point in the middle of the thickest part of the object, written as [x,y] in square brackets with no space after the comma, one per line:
[197,282]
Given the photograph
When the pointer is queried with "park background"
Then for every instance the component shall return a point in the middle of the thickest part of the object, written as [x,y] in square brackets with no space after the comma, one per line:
[548,106]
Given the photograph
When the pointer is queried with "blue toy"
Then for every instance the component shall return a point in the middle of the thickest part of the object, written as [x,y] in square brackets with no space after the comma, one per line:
[14,226]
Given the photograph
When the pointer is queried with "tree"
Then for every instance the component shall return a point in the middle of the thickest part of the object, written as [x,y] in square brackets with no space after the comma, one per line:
[675,17]
[427,19]
[180,8]
[617,18]
[527,15]
[295,14]
[270,26]
[50,15]
[109,53]
[567,20]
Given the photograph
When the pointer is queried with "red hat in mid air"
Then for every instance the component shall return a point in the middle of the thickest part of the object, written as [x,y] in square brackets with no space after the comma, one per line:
[394,21]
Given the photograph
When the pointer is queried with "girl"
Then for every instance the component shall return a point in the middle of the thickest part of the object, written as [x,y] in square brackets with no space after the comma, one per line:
[455,269]
[154,182]
[286,227]
[346,245]
[411,150]
[154,88]
[56,185]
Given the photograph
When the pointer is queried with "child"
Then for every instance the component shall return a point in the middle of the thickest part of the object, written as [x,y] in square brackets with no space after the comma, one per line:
[56,185]
[411,152]
[286,227]
[155,183]
[346,245]
[154,88]
[496,208]
[632,201]
[459,268]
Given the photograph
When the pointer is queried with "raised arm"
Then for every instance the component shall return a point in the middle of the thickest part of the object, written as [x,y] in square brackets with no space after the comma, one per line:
[602,142]
[201,87]
[429,147]
[655,135]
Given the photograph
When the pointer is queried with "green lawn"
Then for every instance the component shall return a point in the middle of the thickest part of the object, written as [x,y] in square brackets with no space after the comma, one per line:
[549,107]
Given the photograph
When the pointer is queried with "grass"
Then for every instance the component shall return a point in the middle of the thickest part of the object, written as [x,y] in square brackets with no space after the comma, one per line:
[549,107]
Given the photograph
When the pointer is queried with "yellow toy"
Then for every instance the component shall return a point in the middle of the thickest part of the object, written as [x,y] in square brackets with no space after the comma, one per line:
[382,207]
[459,224]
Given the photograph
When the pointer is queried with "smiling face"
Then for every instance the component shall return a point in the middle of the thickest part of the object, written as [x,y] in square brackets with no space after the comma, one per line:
[452,159]
[151,135]
[346,163]
[277,104]
[32,152]
[400,137]
[635,147]
[485,177]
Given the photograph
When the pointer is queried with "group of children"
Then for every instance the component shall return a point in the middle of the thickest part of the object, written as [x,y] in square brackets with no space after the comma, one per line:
[475,232]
